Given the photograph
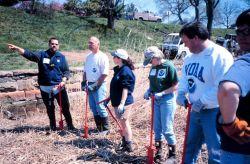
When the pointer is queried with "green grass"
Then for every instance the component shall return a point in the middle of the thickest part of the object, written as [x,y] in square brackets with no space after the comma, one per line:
[33,31]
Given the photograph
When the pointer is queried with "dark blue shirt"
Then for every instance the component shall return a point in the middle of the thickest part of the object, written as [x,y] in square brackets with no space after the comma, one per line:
[52,67]
[123,78]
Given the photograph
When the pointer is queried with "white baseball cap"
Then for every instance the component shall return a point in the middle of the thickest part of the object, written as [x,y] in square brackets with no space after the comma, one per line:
[121,53]
[151,52]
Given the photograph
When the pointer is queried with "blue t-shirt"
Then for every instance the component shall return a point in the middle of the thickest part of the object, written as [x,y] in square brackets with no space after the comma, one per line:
[123,78]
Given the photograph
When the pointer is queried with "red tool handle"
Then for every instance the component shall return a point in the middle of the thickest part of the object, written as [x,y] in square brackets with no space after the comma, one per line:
[186,132]
[118,124]
[85,127]
[151,147]
[60,104]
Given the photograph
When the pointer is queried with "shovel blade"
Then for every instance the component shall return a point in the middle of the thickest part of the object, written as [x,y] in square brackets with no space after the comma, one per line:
[150,155]
[61,124]
[86,132]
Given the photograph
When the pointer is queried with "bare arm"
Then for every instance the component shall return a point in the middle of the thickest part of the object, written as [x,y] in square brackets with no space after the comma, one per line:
[16,49]
[124,95]
[228,97]
[101,79]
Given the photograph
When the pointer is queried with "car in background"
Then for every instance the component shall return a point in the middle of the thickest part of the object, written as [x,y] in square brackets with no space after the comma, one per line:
[144,16]
[173,47]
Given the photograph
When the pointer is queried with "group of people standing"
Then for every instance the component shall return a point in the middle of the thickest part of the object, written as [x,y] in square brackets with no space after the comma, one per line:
[216,87]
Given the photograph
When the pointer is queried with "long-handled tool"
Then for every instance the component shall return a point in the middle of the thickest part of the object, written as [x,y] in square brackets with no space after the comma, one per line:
[186,132]
[151,147]
[86,127]
[118,124]
[60,104]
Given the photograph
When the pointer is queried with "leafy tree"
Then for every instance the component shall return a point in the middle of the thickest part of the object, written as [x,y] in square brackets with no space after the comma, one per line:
[11,2]
[112,9]
[72,5]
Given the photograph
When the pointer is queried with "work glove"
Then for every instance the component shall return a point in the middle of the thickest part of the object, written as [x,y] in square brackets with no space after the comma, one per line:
[147,94]
[238,130]
[197,106]
[120,109]
[92,87]
[181,99]
[159,95]
[83,85]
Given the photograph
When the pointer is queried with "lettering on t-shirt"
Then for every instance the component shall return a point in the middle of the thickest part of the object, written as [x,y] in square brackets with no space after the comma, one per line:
[194,69]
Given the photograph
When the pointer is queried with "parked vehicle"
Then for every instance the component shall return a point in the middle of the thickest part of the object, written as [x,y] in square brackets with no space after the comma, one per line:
[146,16]
[173,47]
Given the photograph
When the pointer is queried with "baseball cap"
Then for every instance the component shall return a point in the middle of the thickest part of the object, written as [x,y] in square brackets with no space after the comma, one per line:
[121,53]
[151,52]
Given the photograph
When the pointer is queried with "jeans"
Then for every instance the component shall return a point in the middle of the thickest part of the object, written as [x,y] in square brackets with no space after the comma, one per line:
[95,97]
[48,99]
[202,128]
[164,110]
[233,158]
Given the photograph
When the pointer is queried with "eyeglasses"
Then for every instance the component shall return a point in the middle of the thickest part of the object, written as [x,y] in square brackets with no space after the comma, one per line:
[54,44]
[243,32]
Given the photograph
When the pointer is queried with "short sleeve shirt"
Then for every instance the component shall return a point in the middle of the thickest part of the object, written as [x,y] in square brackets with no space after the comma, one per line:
[96,65]
[162,77]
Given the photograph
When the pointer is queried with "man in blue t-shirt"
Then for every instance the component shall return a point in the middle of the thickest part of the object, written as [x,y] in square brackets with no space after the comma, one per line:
[53,72]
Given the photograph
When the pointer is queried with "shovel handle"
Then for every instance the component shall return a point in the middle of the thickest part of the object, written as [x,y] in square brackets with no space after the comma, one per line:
[151,148]
[60,104]
[186,132]
[85,127]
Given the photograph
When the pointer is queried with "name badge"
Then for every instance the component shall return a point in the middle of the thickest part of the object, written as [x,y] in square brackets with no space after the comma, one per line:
[152,72]
[46,61]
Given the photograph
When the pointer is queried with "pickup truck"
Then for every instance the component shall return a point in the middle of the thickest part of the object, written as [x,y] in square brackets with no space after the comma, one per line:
[146,16]
[173,47]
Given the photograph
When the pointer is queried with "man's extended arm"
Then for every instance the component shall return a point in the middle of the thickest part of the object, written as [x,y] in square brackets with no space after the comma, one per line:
[16,49]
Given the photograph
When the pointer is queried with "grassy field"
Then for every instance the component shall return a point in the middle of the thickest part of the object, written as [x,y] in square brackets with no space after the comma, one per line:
[33,32]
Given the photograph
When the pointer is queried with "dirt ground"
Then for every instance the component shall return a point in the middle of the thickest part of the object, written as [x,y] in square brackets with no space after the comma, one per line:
[27,140]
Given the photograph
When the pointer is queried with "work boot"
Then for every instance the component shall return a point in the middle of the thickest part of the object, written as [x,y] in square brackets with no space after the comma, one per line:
[98,122]
[125,146]
[121,145]
[53,125]
[104,125]
[171,159]
[158,154]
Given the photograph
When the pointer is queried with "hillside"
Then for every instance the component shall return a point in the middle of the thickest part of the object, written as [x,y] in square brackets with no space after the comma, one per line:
[33,31]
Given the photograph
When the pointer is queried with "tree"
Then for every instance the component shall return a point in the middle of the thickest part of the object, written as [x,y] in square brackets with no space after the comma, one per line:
[175,7]
[196,4]
[210,8]
[226,13]
[131,8]
[112,9]
[71,5]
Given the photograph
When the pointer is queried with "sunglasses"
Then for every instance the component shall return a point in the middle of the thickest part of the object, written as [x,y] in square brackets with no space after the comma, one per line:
[243,32]
[54,44]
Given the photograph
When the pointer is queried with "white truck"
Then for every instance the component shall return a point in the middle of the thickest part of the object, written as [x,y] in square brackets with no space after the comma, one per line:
[173,47]
[146,16]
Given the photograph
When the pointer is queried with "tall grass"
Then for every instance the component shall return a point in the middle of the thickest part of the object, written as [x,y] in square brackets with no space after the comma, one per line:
[33,31]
